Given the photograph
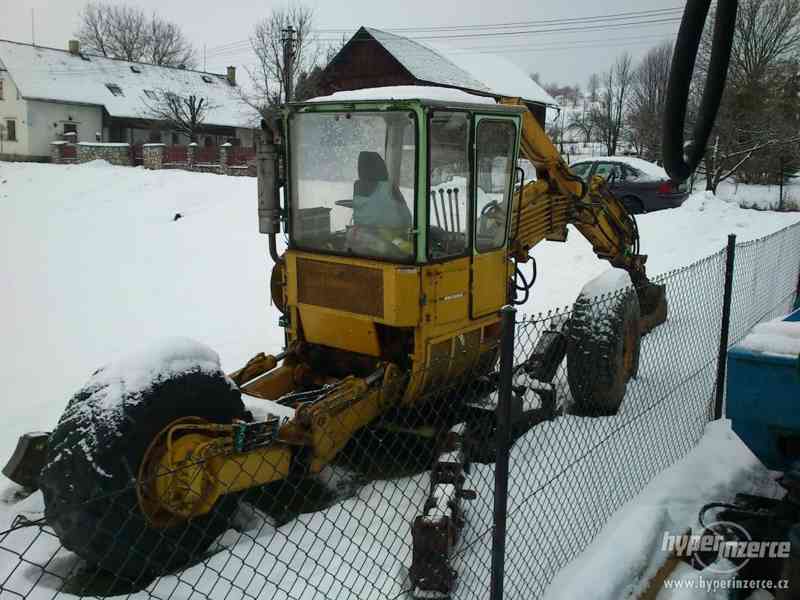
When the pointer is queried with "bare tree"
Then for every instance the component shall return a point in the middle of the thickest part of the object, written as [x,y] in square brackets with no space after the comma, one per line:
[167,45]
[583,123]
[646,106]
[757,126]
[185,114]
[766,31]
[308,84]
[609,115]
[277,71]
[593,87]
[127,32]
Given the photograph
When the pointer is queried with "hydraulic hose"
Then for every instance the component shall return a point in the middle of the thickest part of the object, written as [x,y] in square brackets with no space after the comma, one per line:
[680,163]
[273,249]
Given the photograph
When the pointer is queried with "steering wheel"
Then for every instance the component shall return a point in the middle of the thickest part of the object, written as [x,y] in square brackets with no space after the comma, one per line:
[491,207]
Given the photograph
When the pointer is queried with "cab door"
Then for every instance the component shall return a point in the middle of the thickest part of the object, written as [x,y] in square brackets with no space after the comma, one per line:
[495,153]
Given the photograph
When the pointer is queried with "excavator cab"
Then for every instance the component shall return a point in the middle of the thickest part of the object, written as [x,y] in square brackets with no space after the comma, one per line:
[398,215]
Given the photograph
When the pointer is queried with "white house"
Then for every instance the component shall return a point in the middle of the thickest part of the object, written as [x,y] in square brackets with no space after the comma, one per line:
[48,94]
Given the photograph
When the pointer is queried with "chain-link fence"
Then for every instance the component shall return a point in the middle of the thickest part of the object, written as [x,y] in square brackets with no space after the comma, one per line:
[135,502]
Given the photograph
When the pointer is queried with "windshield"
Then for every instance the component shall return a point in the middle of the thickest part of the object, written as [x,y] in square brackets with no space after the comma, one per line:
[353,183]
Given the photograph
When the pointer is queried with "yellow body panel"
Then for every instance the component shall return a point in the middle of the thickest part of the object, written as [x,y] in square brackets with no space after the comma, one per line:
[339,330]
[490,276]
[399,283]
[446,292]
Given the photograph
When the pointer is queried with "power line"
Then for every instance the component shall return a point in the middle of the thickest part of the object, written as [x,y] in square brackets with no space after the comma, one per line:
[540,22]
[542,31]
[594,27]
[551,48]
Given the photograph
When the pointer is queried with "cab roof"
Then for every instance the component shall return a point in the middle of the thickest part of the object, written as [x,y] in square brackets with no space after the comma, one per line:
[425,95]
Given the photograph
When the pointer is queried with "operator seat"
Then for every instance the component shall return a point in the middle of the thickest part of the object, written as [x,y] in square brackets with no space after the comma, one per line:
[377,202]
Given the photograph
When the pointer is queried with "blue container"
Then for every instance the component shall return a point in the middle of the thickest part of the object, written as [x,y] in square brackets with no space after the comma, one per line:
[763,403]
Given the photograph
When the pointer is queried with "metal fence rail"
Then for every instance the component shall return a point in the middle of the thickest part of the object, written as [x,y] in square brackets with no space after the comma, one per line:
[352,529]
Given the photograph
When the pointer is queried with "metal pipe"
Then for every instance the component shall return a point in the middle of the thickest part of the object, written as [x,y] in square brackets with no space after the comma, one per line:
[458,210]
[444,209]
[436,209]
[452,212]
[376,376]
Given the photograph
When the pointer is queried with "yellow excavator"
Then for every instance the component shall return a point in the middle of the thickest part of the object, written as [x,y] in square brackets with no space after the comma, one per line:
[408,226]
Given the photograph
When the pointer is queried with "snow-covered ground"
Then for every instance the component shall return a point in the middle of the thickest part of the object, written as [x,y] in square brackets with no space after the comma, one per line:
[95,265]
[764,197]
[623,558]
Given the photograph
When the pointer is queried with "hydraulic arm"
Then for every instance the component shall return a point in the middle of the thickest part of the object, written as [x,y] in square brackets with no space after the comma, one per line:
[544,208]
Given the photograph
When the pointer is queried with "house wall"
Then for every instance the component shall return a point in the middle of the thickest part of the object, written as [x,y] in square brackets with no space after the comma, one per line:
[46,123]
[13,107]
[364,63]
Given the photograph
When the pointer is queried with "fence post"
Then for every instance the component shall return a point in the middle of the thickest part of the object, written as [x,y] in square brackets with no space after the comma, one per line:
[503,442]
[724,332]
[780,181]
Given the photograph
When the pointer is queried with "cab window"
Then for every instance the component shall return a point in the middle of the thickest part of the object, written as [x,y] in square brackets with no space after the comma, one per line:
[448,197]
[495,152]
[352,183]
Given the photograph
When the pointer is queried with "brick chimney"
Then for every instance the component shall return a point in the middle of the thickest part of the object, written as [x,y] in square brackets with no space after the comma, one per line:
[232,75]
[74,47]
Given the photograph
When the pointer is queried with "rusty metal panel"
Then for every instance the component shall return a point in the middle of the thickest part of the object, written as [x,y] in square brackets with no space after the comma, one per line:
[340,286]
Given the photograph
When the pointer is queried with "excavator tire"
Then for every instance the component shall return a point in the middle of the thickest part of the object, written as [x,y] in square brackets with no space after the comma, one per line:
[603,341]
[89,480]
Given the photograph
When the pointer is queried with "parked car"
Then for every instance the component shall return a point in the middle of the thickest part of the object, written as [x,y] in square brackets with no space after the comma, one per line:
[641,185]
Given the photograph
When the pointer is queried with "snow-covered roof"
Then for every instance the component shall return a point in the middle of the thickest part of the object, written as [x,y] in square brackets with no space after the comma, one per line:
[406,92]
[483,73]
[425,63]
[57,75]
[499,74]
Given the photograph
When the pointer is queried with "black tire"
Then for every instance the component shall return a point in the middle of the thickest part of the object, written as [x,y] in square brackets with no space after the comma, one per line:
[603,342]
[89,485]
[633,205]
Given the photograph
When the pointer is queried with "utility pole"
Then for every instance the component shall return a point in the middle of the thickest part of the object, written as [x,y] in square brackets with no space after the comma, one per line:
[289,41]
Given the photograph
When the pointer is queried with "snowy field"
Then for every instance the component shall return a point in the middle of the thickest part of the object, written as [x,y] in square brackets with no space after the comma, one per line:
[95,265]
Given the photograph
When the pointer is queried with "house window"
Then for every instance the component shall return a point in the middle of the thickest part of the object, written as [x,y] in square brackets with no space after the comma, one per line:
[70,128]
[151,94]
[114,89]
[11,130]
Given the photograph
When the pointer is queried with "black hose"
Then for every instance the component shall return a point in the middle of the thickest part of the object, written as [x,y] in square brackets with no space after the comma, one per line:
[681,167]
[526,285]
[273,249]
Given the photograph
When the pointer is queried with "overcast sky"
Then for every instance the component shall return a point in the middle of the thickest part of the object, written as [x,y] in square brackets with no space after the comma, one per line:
[565,56]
